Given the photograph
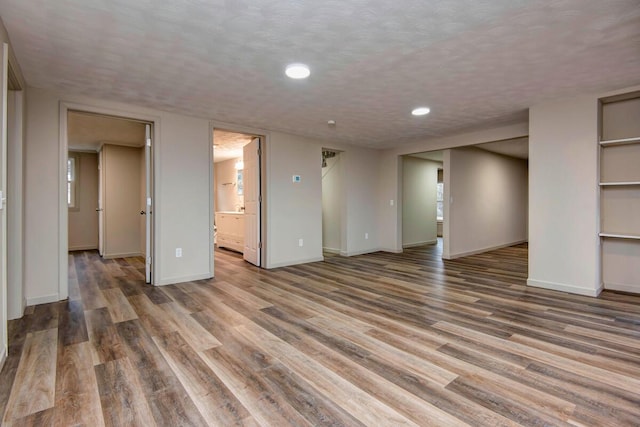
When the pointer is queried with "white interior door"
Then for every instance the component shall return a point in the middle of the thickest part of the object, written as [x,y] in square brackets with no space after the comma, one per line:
[4,70]
[100,207]
[251,179]
[148,211]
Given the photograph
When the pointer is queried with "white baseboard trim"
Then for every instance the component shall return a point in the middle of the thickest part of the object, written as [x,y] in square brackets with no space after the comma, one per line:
[3,358]
[83,248]
[426,242]
[300,261]
[490,248]
[122,255]
[391,250]
[563,287]
[174,280]
[45,299]
[623,287]
[362,252]
[331,250]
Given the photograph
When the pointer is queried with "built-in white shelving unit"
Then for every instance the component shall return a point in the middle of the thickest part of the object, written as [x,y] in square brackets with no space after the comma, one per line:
[620,192]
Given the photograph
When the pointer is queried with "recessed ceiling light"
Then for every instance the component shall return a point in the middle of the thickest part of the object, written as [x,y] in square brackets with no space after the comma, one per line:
[421,111]
[297,71]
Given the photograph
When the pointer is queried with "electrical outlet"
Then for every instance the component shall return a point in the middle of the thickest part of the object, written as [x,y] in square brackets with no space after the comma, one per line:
[178,252]
[366,236]
[391,202]
[300,242]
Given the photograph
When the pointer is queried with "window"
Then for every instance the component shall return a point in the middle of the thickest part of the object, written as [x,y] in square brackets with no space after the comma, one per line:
[440,201]
[71,181]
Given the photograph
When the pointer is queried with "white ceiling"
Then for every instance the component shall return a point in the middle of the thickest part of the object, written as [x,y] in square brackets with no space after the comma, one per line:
[88,131]
[474,62]
[517,147]
[228,145]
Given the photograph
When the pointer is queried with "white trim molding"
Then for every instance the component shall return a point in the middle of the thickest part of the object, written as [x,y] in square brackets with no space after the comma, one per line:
[563,287]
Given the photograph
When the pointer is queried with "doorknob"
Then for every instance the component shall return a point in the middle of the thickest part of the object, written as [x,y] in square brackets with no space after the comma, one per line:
[143,213]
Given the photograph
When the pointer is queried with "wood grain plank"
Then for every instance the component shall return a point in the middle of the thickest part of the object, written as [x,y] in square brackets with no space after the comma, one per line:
[121,397]
[77,399]
[34,386]
[106,345]
[118,305]
[214,400]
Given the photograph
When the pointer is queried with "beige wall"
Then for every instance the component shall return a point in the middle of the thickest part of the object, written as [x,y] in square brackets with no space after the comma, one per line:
[226,193]
[83,220]
[121,174]
[487,196]
[332,205]
[419,180]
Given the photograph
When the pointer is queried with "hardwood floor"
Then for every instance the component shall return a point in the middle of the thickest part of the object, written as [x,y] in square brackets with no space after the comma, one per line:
[380,339]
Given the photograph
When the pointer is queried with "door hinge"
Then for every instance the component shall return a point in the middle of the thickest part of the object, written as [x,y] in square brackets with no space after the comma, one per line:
[148,142]
[259,151]
[259,245]
[148,260]
[260,198]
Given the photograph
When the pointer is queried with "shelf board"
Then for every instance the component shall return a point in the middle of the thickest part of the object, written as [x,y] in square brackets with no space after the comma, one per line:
[621,236]
[620,183]
[623,141]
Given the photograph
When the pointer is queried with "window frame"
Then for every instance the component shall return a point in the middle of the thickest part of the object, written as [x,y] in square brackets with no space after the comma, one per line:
[73,168]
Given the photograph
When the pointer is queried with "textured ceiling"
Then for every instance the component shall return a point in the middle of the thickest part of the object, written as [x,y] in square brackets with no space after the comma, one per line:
[228,145]
[476,63]
[517,147]
[88,131]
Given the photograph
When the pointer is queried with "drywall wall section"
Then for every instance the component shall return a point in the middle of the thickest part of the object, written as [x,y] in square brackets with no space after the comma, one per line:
[121,174]
[225,182]
[83,219]
[419,181]
[181,206]
[332,205]
[563,196]
[294,209]
[487,201]
[361,168]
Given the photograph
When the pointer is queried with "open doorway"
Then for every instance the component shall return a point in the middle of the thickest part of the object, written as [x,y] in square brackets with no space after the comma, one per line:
[481,192]
[108,186]
[237,193]
[332,205]
[421,216]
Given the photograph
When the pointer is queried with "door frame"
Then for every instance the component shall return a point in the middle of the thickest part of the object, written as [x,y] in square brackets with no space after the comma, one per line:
[63,213]
[265,138]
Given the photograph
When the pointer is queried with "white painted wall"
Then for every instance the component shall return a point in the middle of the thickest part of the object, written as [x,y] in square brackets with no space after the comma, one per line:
[332,205]
[294,210]
[361,181]
[83,220]
[563,196]
[181,210]
[419,181]
[121,174]
[226,187]
[489,207]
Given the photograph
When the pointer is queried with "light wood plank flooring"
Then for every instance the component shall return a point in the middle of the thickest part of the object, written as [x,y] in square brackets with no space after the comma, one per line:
[380,339]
